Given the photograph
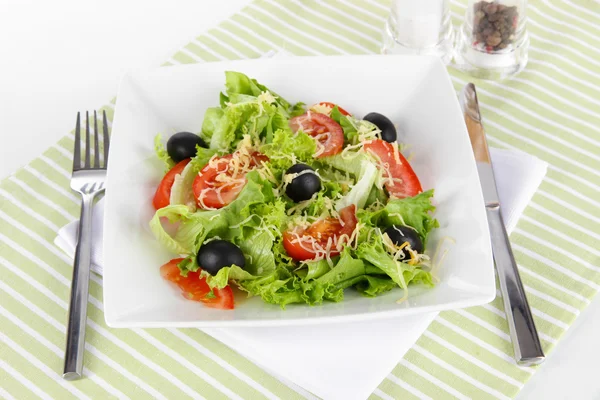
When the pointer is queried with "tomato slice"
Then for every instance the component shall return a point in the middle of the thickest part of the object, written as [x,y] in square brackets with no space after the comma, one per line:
[331,107]
[211,191]
[223,299]
[170,271]
[303,244]
[195,288]
[401,180]
[327,132]
[162,197]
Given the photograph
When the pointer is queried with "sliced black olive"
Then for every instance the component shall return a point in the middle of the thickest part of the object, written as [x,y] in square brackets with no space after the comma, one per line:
[387,128]
[182,145]
[400,234]
[217,254]
[304,185]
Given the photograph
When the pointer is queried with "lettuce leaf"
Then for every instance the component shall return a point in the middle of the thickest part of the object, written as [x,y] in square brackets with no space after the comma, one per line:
[350,130]
[315,269]
[344,272]
[373,286]
[376,195]
[212,118]
[195,227]
[297,109]
[352,126]
[276,122]
[203,156]
[415,212]
[375,253]
[359,194]
[351,164]
[161,152]
[319,283]
[192,228]
[256,236]
[248,107]
[238,83]
[285,146]
[237,120]
[401,273]
[181,191]
[226,274]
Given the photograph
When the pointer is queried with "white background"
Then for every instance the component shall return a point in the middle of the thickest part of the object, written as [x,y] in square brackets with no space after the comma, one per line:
[60,57]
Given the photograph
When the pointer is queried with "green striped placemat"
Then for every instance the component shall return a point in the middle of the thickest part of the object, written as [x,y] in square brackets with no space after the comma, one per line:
[551,110]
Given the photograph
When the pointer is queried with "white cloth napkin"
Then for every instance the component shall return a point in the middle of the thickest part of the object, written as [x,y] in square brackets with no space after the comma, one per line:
[343,361]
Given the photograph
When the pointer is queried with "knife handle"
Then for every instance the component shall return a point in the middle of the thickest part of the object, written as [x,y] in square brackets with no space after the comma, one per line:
[526,343]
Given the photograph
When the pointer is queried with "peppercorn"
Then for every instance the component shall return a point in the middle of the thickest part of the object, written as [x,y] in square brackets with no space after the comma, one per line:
[494,25]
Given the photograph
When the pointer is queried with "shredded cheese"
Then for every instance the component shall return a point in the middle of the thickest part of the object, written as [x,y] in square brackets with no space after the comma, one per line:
[288,178]
[211,239]
[248,219]
[399,216]
[266,97]
[321,109]
[320,148]
[301,205]
[231,171]
[396,153]
[349,154]
[201,199]
[335,244]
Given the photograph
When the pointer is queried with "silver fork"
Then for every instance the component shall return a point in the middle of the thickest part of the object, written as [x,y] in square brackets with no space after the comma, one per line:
[89,182]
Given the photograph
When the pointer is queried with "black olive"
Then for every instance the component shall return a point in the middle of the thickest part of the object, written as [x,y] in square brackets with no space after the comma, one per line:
[303,186]
[387,128]
[217,254]
[400,234]
[182,145]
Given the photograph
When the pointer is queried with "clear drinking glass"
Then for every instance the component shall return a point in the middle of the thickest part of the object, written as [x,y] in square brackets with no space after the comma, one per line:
[492,42]
[419,27]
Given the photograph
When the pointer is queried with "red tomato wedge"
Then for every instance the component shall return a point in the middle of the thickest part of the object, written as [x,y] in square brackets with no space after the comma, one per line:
[327,132]
[162,197]
[212,191]
[331,106]
[170,271]
[306,244]
[401,180]
[195,288]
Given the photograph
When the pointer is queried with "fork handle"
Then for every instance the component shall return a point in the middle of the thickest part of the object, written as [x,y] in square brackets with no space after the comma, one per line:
[79,293]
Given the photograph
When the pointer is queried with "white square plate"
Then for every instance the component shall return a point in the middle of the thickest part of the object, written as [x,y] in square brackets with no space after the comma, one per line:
[414,92]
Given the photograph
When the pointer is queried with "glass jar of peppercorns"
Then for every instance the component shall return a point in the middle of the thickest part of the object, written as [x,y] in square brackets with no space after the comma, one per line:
[493,42]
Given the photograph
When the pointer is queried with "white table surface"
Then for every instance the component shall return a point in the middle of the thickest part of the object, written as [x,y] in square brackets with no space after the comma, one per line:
[60,57]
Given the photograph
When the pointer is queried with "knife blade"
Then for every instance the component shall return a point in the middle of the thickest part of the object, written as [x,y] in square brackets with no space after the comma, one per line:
[525,339]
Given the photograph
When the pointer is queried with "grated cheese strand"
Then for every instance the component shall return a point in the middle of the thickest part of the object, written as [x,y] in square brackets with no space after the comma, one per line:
[322,109]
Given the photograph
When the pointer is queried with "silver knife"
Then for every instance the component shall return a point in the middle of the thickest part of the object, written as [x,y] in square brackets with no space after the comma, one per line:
[526,343]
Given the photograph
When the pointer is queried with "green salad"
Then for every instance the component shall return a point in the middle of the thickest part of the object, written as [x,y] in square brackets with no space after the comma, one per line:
[290,203]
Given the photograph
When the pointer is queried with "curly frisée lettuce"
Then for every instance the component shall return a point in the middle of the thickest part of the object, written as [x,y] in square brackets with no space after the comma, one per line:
[304,251]
[161,152]
[193,228]
[248,108]
[415,212]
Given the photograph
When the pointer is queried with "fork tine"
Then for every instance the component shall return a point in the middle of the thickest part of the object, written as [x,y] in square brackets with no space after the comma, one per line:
[77,146]
[87,140]
[106,138]
[96,151]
